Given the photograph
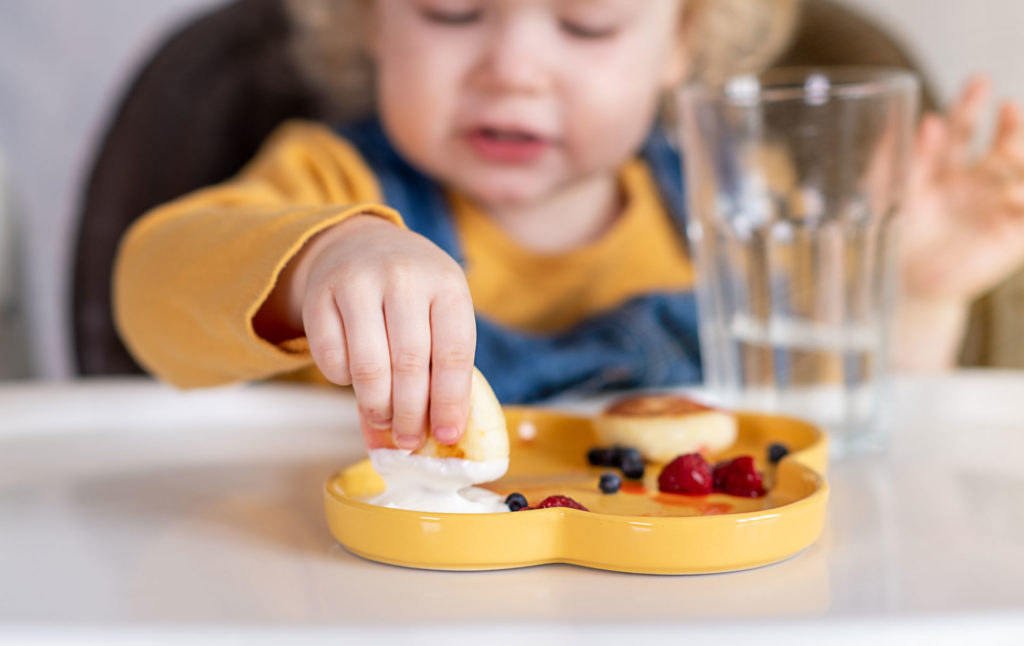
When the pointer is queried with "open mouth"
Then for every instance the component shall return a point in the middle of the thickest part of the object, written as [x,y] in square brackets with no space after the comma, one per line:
[508,135]
[507,145]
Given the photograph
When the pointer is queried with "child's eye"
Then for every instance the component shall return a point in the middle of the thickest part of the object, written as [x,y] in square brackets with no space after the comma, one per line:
[584,32]
[453,18]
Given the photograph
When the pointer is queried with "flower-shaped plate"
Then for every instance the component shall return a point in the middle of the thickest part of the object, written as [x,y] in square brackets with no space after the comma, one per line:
[638,529]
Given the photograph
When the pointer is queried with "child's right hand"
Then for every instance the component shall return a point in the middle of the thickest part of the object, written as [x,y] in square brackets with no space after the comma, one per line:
[388,312]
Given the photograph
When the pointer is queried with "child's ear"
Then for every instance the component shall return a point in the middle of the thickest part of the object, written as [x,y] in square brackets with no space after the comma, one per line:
[677,67]
[678,63]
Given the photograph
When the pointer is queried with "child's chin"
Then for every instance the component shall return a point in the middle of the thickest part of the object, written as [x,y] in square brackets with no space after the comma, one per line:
[508,195]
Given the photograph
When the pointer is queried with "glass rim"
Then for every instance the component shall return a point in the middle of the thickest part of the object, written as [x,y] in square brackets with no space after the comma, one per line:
[811,83]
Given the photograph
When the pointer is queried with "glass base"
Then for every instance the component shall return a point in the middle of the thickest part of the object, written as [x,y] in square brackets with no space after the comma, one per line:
[854,420]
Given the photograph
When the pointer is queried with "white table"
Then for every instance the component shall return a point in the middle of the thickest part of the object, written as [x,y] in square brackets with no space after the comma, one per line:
[130,512]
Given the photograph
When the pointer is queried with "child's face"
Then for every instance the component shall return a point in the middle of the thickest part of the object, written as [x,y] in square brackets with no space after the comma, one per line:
[511,100]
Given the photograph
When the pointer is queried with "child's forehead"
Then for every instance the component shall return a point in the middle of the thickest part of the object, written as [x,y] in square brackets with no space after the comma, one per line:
[595,3]
[555,4]
[610,10]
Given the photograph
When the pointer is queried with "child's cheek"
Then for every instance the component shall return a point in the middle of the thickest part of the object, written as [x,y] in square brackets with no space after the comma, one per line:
[608,122]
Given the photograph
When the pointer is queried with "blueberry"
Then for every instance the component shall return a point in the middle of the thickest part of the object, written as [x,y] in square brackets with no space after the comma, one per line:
[776,452]
[628,453]
[610,482]
[603,457]
[632,465]
[516,501]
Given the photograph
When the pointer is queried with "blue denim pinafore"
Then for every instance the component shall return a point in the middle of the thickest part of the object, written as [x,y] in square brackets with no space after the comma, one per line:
[648,341]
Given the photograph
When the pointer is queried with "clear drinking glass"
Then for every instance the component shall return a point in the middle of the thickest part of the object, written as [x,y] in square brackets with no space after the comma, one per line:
[793,178]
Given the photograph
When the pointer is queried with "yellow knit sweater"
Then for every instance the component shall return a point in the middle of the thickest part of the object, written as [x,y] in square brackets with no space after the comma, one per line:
[190,275]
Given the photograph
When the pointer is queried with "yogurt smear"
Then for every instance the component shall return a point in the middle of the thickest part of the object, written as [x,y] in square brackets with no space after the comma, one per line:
[441,485]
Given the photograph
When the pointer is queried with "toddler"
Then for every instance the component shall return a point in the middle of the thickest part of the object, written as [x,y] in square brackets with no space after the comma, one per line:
[511,202]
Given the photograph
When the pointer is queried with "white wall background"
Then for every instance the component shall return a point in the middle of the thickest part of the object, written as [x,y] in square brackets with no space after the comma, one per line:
[955,38]
[63,63]
[62,66]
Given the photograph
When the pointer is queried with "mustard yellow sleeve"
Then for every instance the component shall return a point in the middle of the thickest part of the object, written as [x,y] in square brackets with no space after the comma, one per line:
[191,274]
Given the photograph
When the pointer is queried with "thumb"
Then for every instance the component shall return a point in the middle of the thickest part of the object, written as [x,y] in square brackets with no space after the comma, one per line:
[929,149]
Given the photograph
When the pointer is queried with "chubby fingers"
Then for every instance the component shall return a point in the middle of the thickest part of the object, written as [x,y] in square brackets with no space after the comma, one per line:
[391,314]
[369,357]
[328,344]
[965,115]
[407,314]
[929,148]
[1008,140]
[1007,154]
[453,330]
[1005,160]
[325,332]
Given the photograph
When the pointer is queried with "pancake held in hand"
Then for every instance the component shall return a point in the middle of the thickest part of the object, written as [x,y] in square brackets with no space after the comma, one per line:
[665,426]
[486,437]
[438,477]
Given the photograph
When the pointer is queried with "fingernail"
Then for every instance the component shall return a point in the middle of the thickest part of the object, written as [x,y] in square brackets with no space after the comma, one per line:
[410,442]
[378,423]
[446,434]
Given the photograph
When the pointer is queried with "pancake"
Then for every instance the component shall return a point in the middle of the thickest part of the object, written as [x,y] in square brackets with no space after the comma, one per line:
[486,437]
[663,427]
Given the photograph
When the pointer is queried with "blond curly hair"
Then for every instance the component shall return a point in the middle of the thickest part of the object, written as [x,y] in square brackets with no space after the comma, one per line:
[726,37]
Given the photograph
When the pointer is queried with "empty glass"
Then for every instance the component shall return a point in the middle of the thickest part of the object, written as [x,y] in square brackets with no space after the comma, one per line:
[793,178]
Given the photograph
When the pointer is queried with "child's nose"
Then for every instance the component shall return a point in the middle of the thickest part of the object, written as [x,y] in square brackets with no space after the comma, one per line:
[517,60]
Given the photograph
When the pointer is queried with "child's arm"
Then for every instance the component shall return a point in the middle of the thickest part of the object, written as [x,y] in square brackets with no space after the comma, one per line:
[962,227]
[191,276]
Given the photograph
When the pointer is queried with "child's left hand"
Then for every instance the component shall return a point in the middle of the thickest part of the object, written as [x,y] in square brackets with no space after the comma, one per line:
[963,221]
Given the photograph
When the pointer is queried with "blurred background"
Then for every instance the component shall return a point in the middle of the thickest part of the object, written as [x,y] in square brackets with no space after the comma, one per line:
[64,65]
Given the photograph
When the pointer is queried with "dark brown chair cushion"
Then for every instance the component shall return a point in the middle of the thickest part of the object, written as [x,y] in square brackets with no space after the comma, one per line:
[196,113]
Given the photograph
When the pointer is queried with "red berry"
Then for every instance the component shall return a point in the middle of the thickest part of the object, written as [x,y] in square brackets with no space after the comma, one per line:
[559,501]
[688,474]
[738,477]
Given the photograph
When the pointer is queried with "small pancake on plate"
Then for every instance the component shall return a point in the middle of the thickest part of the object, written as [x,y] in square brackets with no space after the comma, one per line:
[664,426]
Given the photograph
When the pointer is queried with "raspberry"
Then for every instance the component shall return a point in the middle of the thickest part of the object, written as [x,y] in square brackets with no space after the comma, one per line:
[559,501]
[688,474]
[738,477]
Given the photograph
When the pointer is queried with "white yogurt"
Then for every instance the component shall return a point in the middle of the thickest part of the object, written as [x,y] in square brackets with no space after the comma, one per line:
[442,485]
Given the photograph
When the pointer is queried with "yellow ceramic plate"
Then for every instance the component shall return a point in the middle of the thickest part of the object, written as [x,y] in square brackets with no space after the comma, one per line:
[635,530]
